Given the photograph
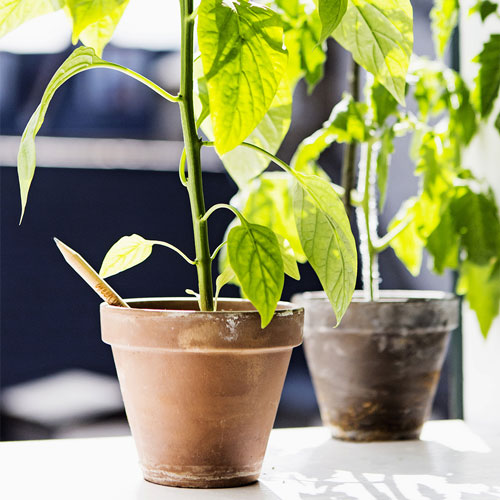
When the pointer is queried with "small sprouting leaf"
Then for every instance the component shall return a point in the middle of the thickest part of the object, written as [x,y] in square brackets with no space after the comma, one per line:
[223,279]
[88,12]
[243,61]
[255,257]
[379,34]
[444,18]
[383,161]
[99,33]
[331,13]
[289,260]
[477,222]
[488,77]
[326,238]
[407,245]
[13,13]
[481,286]
[485,8]
[127,252]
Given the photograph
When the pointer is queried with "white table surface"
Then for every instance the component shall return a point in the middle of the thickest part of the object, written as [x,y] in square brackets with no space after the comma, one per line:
[451,462]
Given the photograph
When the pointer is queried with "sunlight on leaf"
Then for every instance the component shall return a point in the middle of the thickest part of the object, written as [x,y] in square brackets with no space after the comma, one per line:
[127,252]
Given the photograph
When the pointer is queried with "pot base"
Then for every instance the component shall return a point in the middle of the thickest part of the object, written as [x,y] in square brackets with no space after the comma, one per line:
[210,478]
[367,436]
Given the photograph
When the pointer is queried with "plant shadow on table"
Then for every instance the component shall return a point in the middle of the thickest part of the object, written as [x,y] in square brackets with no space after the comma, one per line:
[413,470]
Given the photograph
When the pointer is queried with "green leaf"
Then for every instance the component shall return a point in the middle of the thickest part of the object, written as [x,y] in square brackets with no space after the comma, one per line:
[386,145]
[223,279]
[346,123]
[326,238]
[331,13]
[289,260]
[312,57]
[98,34]
[485,8]
[267,202]
[244,164]
[382,103]
[407,245]
[80,60]
[444,18]
[255,257]
[477,223]
[488,77]
[87,12]
[497,122]
[481,286]
[443,243]
[243,61]
[379,34]
[13,13]
[127,252]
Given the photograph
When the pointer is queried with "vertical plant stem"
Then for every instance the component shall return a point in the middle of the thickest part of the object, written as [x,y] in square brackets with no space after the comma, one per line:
[367,222]
[349,163]
[192,145]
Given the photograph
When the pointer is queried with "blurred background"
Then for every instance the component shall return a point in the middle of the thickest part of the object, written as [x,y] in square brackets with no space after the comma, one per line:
[108,155]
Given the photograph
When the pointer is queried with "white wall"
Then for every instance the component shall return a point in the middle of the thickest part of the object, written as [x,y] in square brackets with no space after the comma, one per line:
[481,357]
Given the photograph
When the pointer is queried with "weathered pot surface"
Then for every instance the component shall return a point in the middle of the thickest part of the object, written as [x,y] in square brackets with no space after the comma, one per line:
[201,389]
[376,374]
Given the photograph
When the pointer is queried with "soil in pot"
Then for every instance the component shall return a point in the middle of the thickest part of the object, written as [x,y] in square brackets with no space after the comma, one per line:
[376,374]
[200,389]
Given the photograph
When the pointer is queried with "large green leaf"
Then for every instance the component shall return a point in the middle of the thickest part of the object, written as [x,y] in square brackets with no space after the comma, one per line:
[13,13]
[98,34]
[488,77]
[379,34]
[127,252]
[255,257]
[481,286]
[444,18]
[87,12]
[244,164]
[477,222]
[326,238]
[243,61]
[331,13]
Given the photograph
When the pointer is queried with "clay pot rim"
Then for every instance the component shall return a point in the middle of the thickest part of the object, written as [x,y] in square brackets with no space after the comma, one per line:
[389,296]
[283,308]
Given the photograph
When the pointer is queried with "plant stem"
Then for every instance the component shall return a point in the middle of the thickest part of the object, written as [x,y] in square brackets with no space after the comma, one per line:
[367,223]
[192,146]
[349,163]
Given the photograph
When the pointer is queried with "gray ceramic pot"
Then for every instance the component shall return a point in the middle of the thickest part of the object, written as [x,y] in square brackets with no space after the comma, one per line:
[376,374]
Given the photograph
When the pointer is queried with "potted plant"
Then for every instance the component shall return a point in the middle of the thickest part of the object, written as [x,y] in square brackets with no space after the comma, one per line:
[201,377]
[375,375]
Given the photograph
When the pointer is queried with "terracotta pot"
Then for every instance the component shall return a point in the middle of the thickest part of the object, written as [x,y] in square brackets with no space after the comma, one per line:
[376,374]
[201,389]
